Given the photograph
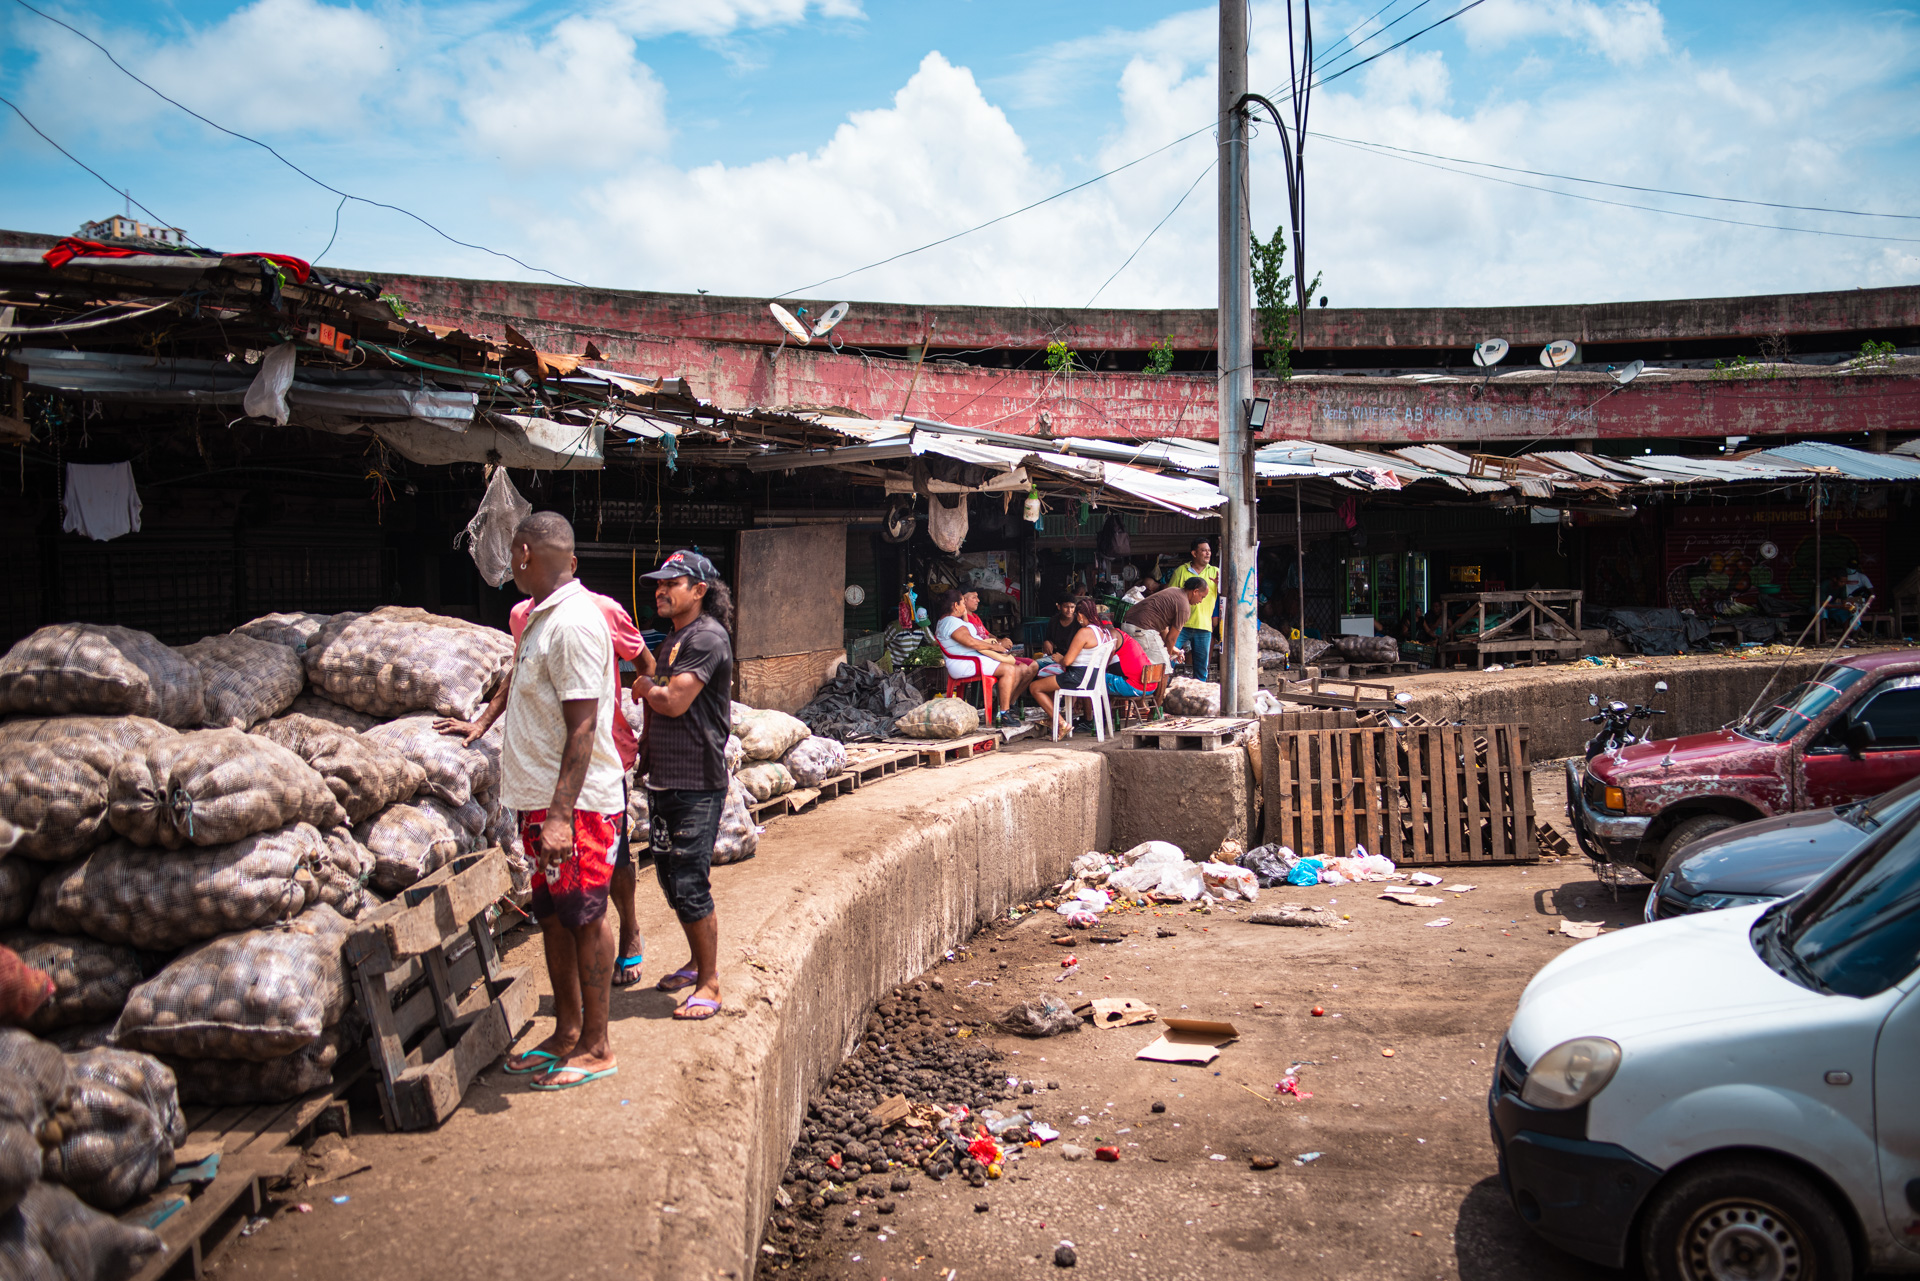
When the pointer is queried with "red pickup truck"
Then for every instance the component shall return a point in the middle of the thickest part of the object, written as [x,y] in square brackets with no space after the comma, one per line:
[1851,732]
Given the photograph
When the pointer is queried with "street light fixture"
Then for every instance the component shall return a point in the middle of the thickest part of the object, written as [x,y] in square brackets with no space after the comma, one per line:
[1257,414]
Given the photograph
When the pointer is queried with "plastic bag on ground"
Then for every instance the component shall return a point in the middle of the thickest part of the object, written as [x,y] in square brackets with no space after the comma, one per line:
[160,900]
[1305,872]
[293,629]
[125,1121]
[55,1236]
[1154,852]
[247,680]
[256,995]
[739,837]
[764,780]
[1048,1016]
[454,770]
[1269,864]
[1228,880]
[1089,899]
[214,787]
[409,841]
[940,718]
[397,660]
[91,979]
[1189,697]
[768,735]
[364,774]
[84,668]
[490,533]
[1180,880]
[813,760]
[53,779]
[1361,866]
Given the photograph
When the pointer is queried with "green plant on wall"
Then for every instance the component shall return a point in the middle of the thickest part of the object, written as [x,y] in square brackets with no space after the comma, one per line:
[1160,356]
[1062,359]
[1274,306]
[1873,355]
[396,304]
[1738,367]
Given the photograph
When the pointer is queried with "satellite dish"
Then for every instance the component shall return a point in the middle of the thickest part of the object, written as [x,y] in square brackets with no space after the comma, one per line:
[1491,352]
[1559,352]
[1629,373]
[835,314]
[856,594]
[794,328]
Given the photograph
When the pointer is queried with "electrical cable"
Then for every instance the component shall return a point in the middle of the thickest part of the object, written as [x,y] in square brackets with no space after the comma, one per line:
[1355,66]
[234,133]
[83,164]
[1348,37]
[336,231]
[1355,50]
[1149,236]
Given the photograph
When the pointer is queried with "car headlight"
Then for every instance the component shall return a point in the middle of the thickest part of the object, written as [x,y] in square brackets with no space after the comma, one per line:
[1571,1073]
[1719,902]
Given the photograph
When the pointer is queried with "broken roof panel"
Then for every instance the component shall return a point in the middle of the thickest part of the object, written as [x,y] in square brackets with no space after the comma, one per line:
[1854,464]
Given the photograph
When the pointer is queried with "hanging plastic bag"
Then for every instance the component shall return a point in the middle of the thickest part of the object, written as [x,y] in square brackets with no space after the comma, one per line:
[267,394]
[489,534]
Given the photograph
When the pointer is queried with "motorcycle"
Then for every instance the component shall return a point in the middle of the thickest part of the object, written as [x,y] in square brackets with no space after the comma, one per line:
[1616,721]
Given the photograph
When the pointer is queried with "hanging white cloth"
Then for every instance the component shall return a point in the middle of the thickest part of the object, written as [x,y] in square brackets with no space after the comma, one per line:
[101,501]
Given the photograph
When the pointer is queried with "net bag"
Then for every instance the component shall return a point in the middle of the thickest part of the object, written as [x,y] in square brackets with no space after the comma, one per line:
[34,1088]
[214,787]
[341,876]
[53,779]
[408,841]
[111,671]
[238,1082]
[738,838]
[365,775]
[503,830]
[814,760]
[153,899]
[322,708]
[764,780]
[19,882]
[91,979]
[940,718]
[125,1120]
[293,630]
[258,995]
[394,661]
[55,1236]
[1189,697]
[454,772]
[767,735]
[247,680]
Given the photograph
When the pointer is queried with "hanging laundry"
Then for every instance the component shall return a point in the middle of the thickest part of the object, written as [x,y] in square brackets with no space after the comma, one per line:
[101,501]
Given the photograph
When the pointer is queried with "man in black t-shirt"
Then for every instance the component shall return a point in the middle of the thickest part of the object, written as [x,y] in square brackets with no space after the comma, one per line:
[685,686]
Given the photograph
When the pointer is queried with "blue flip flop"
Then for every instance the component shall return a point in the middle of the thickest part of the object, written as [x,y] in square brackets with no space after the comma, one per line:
[586,1078]
[533,1069]
[621,977]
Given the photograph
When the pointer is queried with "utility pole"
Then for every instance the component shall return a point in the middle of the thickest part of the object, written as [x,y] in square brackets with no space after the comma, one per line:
[1239,665]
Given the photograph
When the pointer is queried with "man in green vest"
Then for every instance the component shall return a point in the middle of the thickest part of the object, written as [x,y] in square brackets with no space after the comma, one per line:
[1197,635]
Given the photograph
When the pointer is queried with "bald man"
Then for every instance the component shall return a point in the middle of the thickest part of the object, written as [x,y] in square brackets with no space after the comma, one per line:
[561,771]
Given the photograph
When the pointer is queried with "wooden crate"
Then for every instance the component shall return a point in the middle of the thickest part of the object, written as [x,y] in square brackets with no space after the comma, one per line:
[1522,633]
[425,963]
[1184,733]
[1418,794]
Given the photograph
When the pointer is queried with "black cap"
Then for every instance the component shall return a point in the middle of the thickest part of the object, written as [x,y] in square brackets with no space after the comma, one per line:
[688,565]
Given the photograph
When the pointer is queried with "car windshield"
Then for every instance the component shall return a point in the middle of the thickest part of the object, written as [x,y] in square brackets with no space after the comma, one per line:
[1791,712]
[1856,931]
[1886,807]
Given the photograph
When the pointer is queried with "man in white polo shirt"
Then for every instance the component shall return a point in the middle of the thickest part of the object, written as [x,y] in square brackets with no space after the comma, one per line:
[561,771]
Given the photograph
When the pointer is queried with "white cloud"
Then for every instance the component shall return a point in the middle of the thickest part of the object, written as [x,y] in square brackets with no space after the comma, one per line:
[1626,31]
[580,98]
[714,18]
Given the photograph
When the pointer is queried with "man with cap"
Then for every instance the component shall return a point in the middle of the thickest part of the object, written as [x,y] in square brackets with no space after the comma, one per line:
[686,688]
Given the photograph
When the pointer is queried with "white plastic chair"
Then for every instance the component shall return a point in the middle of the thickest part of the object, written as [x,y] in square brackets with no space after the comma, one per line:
[1093,689]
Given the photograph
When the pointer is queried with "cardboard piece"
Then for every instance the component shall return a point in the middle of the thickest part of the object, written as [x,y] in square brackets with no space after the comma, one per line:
[891,1109]
[1117,1012]
[1410,899]
[1582,929]
[1189,1041]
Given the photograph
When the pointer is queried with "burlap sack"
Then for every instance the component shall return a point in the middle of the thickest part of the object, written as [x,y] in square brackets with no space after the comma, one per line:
[394,661]
[454,773]
[408,841]
[109,671]
[153,899]
[58,1237]
[814,760]
[35,1087]
[214,787]
[19,882]
[939,718]
[364,774]
[239,1083]
[293,630]
[1368,649]
[53,779]
[340,879]
[764,780]
[1189,697]
[322,708]
[257,995]
[738,838]
[247,680]
[91,979]
[125,1123]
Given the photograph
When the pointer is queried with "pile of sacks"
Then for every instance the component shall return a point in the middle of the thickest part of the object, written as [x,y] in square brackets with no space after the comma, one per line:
[769,754]
[186,835]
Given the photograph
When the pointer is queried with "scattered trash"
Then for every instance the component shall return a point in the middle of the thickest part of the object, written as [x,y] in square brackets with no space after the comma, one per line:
[1070,960]
[1269,864]
[1044,1132]
[1426,878]
[1386,1054]
[1292,1086]
[893,1108]
[1305,872]
[1063,1255]
[1460,889]
[1073,1152]
[329,1161]
[1048,1016]
[1296,914]
[254,1225]
[341,1200]
[1106,1154]
[1583,929]
[302,1207]
[1189,1041]
[1410,899]
[1305,1157]
[1317,1011]
[1263,1162]
[1439,921]
[1218,1156]
[1118,1012]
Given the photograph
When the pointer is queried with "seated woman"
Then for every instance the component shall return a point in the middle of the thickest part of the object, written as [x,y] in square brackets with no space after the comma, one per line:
[1091,635]
[1130,681]
[964,648]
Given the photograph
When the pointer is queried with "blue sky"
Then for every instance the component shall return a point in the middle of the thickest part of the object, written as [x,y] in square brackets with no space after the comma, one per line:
[754,146]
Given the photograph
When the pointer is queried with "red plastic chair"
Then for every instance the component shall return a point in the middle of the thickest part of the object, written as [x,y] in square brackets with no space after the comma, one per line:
[980,677]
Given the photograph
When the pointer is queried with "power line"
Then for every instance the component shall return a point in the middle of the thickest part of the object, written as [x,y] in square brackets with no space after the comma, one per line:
[1149,236]
[1348,37]
[1623,186]
[1355,49]
[1355,66]
[1622,204]
[83,164]
[234,133]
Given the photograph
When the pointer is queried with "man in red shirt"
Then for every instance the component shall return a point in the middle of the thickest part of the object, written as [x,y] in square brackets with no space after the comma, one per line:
[627,646]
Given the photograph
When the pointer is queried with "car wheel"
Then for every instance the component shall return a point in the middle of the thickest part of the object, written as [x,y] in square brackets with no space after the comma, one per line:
[1699,827]
[1743,1221]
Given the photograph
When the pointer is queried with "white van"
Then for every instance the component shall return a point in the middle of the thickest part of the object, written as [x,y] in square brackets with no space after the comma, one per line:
[1730,1095]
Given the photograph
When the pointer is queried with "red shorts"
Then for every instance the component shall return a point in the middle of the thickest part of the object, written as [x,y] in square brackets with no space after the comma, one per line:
[577,889]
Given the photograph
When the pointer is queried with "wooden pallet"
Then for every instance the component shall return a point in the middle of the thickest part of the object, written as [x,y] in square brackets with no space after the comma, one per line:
[426,963]
[1320,691]
[867,763]
[202,1218]
[938,753]
[764,812]
[1184,733]
[1382,669]
[1418,794]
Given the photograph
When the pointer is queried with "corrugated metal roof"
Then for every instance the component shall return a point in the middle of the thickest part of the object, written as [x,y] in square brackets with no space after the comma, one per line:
[1854,464]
